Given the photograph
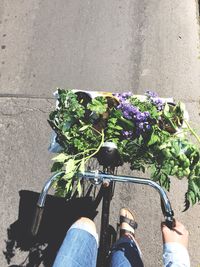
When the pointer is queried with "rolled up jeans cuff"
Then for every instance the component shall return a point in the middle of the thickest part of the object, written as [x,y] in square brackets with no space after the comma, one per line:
[84,226]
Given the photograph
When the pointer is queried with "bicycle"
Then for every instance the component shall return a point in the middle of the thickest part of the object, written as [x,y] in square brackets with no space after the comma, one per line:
[108,158]
[107,181]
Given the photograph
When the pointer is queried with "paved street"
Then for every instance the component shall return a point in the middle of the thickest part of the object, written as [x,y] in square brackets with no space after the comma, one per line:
[99,45]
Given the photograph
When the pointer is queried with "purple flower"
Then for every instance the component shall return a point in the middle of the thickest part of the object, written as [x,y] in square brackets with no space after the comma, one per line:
[141,125]
[147,114]
[127,95]
[142,116]
[151,94]
[126,115]
[139,118]
[155,100]
[123,96]
[148,127]
[127,134]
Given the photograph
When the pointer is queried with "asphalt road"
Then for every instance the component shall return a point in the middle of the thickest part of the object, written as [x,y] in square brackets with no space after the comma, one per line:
[95,45]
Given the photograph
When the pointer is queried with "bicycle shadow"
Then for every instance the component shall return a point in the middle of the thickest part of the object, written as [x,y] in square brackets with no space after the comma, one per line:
[58,216]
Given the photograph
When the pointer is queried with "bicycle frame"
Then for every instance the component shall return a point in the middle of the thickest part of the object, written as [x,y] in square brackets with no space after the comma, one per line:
[104,179]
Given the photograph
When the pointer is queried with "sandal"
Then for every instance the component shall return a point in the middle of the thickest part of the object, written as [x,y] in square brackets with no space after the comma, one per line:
[127,223]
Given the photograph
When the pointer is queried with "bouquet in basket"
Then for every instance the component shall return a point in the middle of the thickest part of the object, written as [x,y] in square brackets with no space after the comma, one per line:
[147,132]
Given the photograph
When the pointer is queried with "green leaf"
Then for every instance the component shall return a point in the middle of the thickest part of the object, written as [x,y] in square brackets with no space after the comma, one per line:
[179,109]
[164,181]
[113,120]
[82,166]
[191,197]
[68,186]
[117,127]
[177,147]
[166,111]
[154,173]
[164,145]
[61,157]
[194,187]
[70,169]
[154,138]
[84,128]
[98,105]
[66,126]
[193,194]
[57,166]
[70,165]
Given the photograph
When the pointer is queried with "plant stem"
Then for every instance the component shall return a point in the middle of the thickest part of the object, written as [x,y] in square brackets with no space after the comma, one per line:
[84,152]
[98,148]
[126,121]
[180,132]
[95,130]
[192,131]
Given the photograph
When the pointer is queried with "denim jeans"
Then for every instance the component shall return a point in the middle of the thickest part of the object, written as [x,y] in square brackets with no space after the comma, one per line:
[80,247]
[125,253]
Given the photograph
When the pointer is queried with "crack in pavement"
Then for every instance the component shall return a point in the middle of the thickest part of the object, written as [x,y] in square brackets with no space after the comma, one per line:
[26,96]
[48,98]
[22,112]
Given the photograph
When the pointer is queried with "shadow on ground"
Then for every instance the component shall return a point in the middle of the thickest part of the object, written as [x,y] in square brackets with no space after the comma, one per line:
[57,218]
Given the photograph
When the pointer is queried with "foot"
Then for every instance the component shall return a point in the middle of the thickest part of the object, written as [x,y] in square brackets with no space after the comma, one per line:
[127,223]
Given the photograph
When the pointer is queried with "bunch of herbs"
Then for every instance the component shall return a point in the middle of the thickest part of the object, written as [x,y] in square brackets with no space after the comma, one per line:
[149,133]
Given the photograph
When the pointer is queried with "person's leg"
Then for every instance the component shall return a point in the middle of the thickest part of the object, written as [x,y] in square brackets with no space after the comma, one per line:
[126,252]
[79,248]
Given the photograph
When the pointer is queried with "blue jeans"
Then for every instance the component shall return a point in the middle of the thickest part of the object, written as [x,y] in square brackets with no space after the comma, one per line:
[80,247]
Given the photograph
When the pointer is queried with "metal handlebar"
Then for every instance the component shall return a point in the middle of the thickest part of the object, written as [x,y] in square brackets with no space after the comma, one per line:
[167,211]
[97,178]
[41,202]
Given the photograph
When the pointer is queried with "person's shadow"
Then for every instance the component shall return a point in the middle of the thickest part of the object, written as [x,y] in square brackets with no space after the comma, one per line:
[58,216]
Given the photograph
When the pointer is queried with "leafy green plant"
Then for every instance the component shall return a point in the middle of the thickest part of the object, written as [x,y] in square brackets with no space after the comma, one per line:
[148,133]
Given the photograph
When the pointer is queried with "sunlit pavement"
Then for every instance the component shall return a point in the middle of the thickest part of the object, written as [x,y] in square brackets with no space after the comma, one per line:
[99,45]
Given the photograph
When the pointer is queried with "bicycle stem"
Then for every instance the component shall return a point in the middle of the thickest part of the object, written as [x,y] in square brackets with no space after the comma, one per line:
[98,178]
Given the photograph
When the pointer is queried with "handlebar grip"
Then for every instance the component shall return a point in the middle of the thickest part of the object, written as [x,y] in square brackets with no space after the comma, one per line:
[37,220]
[170,223]
[169,220]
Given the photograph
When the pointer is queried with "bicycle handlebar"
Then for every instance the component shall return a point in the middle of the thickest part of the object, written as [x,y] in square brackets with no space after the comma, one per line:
[98,178]
[167,209]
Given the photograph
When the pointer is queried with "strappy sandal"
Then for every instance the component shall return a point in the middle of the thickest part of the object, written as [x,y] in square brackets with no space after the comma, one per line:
[127,223]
